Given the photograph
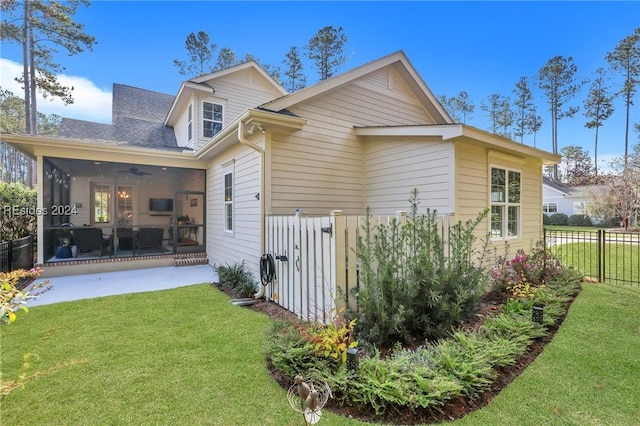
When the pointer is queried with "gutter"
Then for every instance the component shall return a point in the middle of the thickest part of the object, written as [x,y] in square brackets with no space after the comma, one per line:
[261,151]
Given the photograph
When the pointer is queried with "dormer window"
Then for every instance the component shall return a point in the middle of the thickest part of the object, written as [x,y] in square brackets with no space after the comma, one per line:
[211,119]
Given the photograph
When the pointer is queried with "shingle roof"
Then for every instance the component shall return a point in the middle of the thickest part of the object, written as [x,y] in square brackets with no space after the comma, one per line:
[137,120]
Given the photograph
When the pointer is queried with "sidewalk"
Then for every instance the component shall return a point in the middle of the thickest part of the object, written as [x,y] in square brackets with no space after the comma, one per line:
[77,287]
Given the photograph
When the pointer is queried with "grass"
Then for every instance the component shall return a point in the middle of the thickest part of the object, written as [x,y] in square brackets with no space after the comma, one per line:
[186,356]
[620,260]
[587,375]
[182,356]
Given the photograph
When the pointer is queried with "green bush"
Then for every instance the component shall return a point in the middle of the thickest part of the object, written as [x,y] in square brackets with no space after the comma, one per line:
[579,220]
[17,204]
[559,219]
[237,280]
[546,220]
[463,365]
[411,289]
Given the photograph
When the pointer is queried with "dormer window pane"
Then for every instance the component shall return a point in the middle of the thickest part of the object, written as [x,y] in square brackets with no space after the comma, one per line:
[211,119]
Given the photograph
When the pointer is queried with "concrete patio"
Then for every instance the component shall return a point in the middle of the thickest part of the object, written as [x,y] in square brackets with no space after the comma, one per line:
[77,287]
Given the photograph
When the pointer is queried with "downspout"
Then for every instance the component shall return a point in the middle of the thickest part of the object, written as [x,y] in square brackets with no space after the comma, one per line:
[261,151]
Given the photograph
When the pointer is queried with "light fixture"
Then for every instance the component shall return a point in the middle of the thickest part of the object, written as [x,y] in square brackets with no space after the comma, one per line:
[537,314]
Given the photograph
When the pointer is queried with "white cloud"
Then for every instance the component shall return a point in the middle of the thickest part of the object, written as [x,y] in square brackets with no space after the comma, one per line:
[90,102]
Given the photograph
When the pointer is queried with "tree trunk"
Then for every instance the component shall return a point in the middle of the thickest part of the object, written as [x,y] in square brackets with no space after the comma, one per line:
[33,118]
[25,67]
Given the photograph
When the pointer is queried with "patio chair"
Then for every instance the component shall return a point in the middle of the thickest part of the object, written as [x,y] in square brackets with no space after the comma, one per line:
[148,239]
[89,240]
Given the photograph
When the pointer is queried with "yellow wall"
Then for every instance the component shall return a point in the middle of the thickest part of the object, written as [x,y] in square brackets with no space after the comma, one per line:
[473,165]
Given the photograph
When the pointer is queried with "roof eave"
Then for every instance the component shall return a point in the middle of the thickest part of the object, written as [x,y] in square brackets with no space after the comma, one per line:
[228,136]
[455,131]
[38,145]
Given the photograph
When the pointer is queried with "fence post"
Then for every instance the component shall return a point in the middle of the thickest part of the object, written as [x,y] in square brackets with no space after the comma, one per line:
[10,256]
[601,255]
[339,261]
[546,249]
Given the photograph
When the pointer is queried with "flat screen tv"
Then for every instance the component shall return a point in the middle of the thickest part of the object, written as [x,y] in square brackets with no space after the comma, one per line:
[160,205]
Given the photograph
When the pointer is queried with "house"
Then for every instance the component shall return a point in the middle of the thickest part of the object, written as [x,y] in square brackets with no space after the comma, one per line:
[208,164]
[560,198]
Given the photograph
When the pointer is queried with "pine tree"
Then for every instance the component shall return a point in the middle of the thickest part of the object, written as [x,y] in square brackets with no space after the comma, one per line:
[465,105]
[200,52]
[41,27]
[577,165]
[326,50]
[625,58]
[451,106]
[498,110]
[525,120]
[557,78]
[293,71]
[597,108]
[226,59]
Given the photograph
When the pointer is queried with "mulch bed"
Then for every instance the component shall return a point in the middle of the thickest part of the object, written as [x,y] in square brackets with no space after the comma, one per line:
[491,303]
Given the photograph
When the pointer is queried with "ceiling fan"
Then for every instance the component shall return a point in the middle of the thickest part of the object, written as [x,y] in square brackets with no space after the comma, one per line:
[135,171]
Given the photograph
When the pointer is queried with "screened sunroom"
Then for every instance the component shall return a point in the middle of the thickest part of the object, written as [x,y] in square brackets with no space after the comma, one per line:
[100,210]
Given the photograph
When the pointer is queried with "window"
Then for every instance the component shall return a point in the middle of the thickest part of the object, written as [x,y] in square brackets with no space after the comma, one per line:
[190,122]
[579,207]
[228,202]
[211,119]
[550,207]
[505,203]
[101,203]
[124,208]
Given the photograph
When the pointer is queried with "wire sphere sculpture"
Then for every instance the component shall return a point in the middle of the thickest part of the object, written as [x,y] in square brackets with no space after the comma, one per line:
[309,397]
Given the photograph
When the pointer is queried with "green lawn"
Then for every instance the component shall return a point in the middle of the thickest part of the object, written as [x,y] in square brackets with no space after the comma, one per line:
[186,357]
[620,260]
[588,374]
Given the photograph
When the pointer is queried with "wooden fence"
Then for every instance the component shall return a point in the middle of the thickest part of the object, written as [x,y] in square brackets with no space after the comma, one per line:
[316,261]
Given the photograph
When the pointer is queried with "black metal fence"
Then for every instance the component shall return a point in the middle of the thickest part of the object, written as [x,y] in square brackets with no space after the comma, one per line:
[605,256]
[16,254]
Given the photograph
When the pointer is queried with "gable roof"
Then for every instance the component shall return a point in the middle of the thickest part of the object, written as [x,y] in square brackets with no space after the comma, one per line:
[397,59]
[557,186]
[137,120]
[203,83]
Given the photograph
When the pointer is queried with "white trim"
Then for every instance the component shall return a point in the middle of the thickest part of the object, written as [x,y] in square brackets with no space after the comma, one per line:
[505,204]
[214,102]
[227,170]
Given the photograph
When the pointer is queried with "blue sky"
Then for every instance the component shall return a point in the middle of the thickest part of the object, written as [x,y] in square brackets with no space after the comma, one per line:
[477,47]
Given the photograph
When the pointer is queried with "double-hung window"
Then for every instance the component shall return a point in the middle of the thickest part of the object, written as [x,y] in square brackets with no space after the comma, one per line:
[211,119]
[228,201]
[550,207]
[506,190]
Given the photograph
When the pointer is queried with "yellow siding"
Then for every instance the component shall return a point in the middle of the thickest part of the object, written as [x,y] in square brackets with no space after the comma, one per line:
[322,167]
[472,187]
[394,168]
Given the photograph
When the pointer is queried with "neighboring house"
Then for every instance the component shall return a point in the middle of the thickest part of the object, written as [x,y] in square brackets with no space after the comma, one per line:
[560,198]
[232,147]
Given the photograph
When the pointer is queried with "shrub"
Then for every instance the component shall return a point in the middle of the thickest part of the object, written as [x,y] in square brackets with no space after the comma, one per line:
[22,199]
[558,219]
[533,269]
[237,280]
[331,341]
[546,220]
[11,298]
[411,288]
[579,220]
[463,365]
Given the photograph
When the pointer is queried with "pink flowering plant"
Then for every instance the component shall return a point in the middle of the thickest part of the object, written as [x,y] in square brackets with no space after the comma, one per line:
[525,272]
